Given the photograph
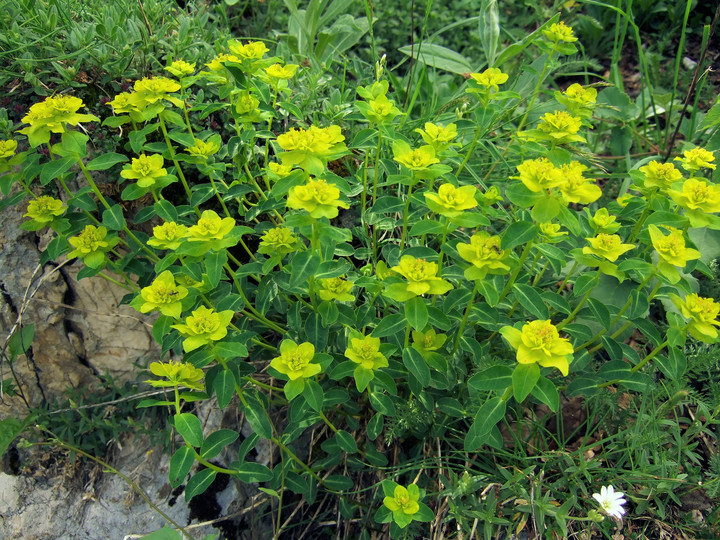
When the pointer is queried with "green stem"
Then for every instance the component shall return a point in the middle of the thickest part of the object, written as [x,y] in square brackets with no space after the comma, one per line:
[513,277]
[464,321]
[650,356]
[171,150]
[406,213]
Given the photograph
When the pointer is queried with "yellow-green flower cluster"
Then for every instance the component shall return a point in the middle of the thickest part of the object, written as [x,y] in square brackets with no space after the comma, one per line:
[485,254]
[145,169]
[365,351]
[53,116]
[146,101]
[169,235]
[318,198]
[204,149]
[7,148]
[450,201]
[203,326]
[45,209]
[490,79]
[403,504]
[559,32]
[697,158]
[438,136]
[278,241]
[603,222]
[576,188]
[660,176]
[607,246]
[417,159]
[551,232]
[559,127]
[181,68]
[337,289]
[671,247]
[701,314]
[178,374]
[163,295]
[427,342]
[697,194]
[539,342]
[91,246]
[295,361]
[377,108]
[210,227]
[312,148]
[421,277]
[539,175]
[578,100]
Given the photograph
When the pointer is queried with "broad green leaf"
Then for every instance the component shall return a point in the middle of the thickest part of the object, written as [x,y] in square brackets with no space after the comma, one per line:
[416,313]
[199,482]
[489,29]
[52,169]
[494,378]
[313,394]
[491,412]
[253,472]
[531,300]
[190,427]
[166,533]
[375,426]
[113,218]
[257,417]
[519,233]
[303,266]
[673,365]
[438,57]
[390,325]
[214,262]
[524,378]
[346,442]
[224,386]
[106,161]
[546,392]
[216,441]
[180,465]
[416,365]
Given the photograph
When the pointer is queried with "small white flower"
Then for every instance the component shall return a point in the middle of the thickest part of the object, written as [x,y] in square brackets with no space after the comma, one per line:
[611,501]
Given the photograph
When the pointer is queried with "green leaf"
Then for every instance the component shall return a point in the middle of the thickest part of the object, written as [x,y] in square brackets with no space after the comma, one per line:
[489,29]
[362,377]
[199,482]
[165,210]
[180,465]
[52,169]
[382,403]
[673,365]
[10,428]
[216,441]
[521,196]
[491,412]
[416,313]
[346,442]
[113,218]
[584,283]
[190,427]
[531,300]
[21,339]
[416,365]
[452,407]
[583,386]
[214,262]
[438,57]
[253,472]
[313,394]
[546,392]
[257,417]
[519,233]
[524,378]
[600,312]
[375,426]
[106,161]
[545,210]
[224,387]
[303,266]
[426,226]
[639,305]
[494,378]
[389,326]
[338,482]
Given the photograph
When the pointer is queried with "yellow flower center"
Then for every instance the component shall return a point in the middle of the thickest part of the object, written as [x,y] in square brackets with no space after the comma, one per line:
[296,362]
[418,270]
[673,244]
[209,226]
